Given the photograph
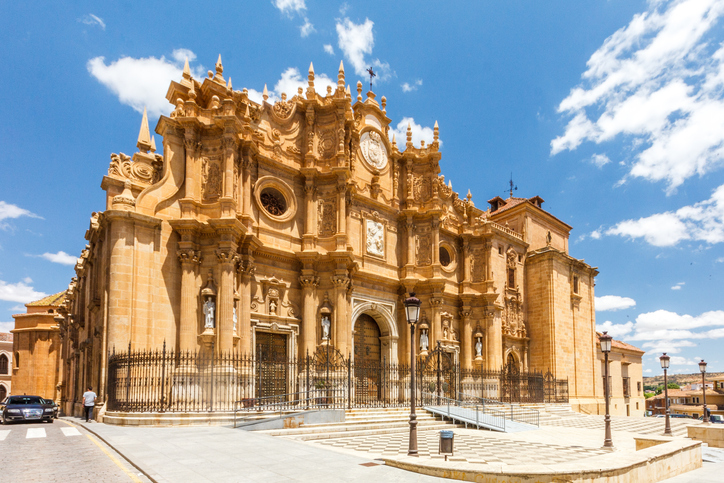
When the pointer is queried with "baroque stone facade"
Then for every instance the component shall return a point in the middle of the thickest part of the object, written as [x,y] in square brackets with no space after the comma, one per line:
[298,217]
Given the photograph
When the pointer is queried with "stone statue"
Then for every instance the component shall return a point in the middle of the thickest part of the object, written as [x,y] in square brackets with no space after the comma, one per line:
[424,341]
[209,313]
[479,347]
[272,307]
[234,318]
[326,325]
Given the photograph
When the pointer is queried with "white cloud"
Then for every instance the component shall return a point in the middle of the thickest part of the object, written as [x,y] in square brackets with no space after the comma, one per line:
[91,19]
[658,83]
[703,221]
[615,330]
[600,160]
[142,82]
[596,234]
[19,292]
[613,302]
[307,28]
[407,87]
[356,41]
[668,346]
[418,133]
[10,211]
[329,49]
[7,326]
[682,361]
[647,371]
[60,257]
[289,7]
[344,8]
[678,286]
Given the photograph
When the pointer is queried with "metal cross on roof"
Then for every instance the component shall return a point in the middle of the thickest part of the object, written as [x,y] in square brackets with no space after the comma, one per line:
[512,186]
[372,74]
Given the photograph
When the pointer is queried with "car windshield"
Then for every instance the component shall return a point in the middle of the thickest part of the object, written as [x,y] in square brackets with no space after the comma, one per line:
[25,400]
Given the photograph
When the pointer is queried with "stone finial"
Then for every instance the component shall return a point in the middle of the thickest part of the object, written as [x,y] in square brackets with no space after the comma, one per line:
[435,133]
[349,93]
[340,75]
[300,91]
[449,183]
[469,196]
[394,141]
[144,136]
[310,76]
[192,92]
[359,90]
[409,134]
[219,70]
[228,84]
[265,93]
[153,144]
[247,114]
[384,104]
[187,70]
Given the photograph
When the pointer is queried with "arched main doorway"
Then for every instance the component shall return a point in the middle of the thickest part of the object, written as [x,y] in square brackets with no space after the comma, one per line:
[367,360]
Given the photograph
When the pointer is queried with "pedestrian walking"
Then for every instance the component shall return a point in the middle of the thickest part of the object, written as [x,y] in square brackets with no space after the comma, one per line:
[89,402]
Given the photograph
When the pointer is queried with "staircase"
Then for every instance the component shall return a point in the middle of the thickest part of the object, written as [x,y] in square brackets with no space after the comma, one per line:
[364,422]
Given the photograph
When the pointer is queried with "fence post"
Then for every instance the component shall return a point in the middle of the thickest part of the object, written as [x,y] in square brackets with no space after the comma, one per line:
[128,377]
[307,378]
[163,375]
[349,381]
[211,395]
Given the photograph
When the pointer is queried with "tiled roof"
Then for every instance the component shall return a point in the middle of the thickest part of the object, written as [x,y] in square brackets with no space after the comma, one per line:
[510,203]
[6,337]
[672,393]
[54,300]
[617,344]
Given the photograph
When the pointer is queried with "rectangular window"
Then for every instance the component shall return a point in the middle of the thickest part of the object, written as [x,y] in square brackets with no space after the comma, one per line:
[575,284]
[626,387]
[638,387]
[511,278]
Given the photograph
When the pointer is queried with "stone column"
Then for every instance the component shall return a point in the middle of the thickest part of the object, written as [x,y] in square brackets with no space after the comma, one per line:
[229,145]
[309,224]
[341,215]
[466,339]
[410,241]
[340,329]
[435,241]
[246,189]
[309,320]
[120,283]
[494,336]
[193,175]
[246,269]
[488,247]
[436,329]
[224,324]
[188,327]
[466,260]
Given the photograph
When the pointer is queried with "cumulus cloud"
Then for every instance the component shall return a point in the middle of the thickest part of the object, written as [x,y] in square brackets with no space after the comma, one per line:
[60,257]
[290,82]
[418,133]
[407,87]
[678,286]
[613,302]
[658,83]
[329,49]
[600,160]
[356,42]
[19,292]
[703,221]
[142,82]
[616,331]
[10,211]
[91,19]
[307,28]
[289,7]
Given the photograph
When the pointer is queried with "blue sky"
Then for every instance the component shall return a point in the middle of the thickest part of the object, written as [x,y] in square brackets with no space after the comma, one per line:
[612,111]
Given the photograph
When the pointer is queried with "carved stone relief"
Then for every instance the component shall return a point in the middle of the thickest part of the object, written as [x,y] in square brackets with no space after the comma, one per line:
[211,179]
[327,217]
[477,266]
[513,323]
[123,167]
[373,149]
[375,238]
[423,249]
[327,142]
[422,189]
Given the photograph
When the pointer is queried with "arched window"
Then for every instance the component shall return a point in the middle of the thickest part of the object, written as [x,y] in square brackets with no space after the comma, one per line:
[3,365]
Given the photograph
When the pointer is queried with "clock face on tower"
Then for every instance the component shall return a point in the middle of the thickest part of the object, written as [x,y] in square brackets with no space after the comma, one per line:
[373,149]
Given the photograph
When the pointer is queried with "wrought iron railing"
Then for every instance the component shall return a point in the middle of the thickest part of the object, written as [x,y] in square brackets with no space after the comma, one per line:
[205,381]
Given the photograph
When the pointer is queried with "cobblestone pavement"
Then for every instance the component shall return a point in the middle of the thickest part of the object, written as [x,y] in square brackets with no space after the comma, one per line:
[650,426]
[59,452]
[468,448]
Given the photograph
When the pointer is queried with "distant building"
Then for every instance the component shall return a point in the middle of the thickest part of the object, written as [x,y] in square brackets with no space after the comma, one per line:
[689,403]
[625,379]
[36,349]
[6,363]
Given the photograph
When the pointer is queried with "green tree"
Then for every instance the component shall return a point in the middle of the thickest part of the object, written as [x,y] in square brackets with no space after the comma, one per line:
[649,394]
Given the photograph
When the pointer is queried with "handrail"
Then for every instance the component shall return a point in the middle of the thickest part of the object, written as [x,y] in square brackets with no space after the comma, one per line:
[497,415]
[525,415]
[281,404]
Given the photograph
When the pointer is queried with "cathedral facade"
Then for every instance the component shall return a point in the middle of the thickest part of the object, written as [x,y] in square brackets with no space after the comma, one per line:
[300,224]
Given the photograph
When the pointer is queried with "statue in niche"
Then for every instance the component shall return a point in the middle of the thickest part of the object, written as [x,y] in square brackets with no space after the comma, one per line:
[424,341]
[234,318]
[272,307]
[209,312]
[479,347]
[326,326]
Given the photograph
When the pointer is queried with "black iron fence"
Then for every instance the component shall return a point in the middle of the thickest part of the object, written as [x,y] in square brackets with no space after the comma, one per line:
[175,381]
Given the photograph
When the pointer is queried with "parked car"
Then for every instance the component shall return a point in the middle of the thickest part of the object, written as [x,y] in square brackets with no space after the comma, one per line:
[55,407]
[714,418]
[25,408]
[680,416]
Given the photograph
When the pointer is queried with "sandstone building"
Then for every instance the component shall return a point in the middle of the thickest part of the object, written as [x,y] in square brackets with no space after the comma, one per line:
[300,223]
[625,379]
[37,349]
[6,361]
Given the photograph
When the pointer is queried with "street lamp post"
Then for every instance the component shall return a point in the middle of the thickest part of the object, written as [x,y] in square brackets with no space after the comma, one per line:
[702,368]
[412,310]
[606,348]
[664,359]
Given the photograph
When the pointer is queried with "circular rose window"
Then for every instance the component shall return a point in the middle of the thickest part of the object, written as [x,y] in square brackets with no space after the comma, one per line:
[273,201]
